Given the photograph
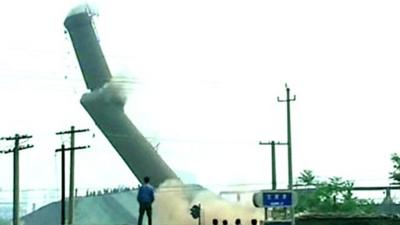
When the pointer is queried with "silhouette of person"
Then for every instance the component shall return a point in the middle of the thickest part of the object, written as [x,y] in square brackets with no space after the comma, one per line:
[224,222]
[145,197]
[214,222]
[238,222]
[253,222]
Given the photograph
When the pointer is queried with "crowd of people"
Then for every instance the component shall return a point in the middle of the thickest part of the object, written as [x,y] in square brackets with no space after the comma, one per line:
[106,191]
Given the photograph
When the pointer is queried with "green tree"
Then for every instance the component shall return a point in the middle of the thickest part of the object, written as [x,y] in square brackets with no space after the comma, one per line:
[395,174]
[334,195]
[306,178]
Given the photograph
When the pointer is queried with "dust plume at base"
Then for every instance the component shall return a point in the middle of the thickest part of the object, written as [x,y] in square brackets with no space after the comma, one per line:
[174,200]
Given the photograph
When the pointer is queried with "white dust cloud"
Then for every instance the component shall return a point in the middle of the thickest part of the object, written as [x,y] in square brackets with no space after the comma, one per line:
[174,200]
[115,91]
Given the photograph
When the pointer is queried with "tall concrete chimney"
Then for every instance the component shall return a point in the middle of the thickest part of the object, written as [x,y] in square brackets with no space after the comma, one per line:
[106,110]
[88,51]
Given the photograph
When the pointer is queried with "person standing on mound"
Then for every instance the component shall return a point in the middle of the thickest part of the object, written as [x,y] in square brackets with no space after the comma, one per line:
[145,197]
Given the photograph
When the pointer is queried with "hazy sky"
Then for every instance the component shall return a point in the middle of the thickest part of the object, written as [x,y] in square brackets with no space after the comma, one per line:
[203,78]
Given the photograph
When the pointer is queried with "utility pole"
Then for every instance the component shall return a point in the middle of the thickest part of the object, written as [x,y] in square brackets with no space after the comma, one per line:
[273,160]
[289,137]
[62,183]
[289,143]
[15,151]
[72,169]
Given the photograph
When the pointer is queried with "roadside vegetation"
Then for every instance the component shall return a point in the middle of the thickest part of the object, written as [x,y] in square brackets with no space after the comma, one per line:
[334,195]
[395,174]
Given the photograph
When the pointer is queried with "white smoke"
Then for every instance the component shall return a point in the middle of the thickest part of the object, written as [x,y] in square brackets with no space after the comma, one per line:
[174,200]
[116,91]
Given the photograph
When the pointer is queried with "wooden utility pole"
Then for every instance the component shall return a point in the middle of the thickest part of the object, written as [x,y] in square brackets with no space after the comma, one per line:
[72,169]
[15,151]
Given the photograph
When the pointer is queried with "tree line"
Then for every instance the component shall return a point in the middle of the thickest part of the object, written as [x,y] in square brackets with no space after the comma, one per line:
[335,195]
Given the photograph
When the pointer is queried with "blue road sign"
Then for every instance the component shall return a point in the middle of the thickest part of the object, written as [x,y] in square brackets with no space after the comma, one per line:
[277,199]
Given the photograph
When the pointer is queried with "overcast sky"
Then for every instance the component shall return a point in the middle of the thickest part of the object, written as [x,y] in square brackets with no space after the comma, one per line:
[203,78]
